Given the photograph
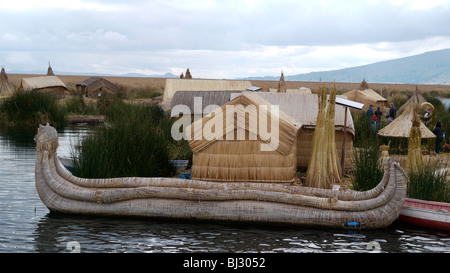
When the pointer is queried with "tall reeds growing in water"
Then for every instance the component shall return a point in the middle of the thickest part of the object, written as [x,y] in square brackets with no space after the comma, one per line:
[28,109]
[368,171]
[137,144]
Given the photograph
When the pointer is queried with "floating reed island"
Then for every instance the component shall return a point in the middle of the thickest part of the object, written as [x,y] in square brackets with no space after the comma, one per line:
[175,198]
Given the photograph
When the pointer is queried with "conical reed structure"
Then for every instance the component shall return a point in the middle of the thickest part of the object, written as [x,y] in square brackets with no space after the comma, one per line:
[414,160]
[282,84]
[6,88]
[188,74]
[50,70]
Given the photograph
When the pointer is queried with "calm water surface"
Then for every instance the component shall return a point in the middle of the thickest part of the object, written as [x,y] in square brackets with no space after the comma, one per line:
[26,225]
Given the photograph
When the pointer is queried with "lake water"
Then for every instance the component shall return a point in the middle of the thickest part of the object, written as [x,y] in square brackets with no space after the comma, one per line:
[27,226]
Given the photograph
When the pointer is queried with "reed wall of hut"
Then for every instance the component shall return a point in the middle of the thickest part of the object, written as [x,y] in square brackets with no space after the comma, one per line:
[238,156]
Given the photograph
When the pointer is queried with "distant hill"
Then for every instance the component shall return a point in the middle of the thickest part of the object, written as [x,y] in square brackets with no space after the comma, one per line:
[428,68]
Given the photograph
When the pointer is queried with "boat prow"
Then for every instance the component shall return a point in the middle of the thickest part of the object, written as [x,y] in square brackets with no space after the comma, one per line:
[179,198]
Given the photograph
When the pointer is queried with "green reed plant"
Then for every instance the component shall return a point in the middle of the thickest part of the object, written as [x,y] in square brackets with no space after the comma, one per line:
[429,183]
[77,106]
[25,109]
[368,171]
[138,142]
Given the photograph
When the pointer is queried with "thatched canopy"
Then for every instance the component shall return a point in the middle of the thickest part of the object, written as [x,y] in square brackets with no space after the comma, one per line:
[43,82]
[176,85]
[237,154]
[401,126]
[213,98]
[6,88]
[96,85]
[367,97]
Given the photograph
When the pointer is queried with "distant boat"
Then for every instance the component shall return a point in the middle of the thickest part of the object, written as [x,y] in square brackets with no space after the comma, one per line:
[67,162]
[244,202]
[426,213]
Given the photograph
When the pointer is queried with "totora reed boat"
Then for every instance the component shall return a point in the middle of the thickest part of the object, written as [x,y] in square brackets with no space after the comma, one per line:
[176,198]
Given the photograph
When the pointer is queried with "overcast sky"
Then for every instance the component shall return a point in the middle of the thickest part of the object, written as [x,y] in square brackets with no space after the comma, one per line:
[216,38]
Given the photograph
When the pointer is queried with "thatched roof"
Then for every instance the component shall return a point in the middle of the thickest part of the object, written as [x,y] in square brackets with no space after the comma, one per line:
[94,83]
[401,126]
[418,98]
[175,85]
[301,90]
[213,98]
[304,108]
[367,97]
[41,82]
[6,88]
[287,129]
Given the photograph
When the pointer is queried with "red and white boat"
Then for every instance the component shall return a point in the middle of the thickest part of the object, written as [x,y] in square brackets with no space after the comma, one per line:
[426,213]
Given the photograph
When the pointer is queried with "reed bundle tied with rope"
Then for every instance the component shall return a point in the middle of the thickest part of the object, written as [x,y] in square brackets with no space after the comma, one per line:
[323,167]
[414,160]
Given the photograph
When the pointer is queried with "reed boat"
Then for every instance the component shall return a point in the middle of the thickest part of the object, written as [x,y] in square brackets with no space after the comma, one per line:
[267,203]
[424,213]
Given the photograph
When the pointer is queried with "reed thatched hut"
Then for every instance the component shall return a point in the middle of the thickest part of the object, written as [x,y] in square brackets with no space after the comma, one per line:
[236,153]
[401,126]
[95,86]
[6,88]
[367,97]
[176,85]
[46,84]
[304,108]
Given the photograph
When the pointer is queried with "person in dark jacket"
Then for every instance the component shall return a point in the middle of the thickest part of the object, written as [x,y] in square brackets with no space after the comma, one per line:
[439,137]
[378,113]
[392,113]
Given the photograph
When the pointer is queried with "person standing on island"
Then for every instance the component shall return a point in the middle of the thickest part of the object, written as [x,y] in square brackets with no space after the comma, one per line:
[378,113]
[369,112]
[392,113]
[439,137]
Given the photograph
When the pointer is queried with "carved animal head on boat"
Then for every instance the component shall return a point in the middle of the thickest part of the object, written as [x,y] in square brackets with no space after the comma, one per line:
[46,139]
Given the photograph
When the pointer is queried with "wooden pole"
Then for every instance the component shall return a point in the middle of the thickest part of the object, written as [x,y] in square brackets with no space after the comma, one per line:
[343,142]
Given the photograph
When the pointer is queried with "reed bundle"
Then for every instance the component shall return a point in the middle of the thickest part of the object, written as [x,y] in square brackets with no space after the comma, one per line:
[323,167]
[334,170]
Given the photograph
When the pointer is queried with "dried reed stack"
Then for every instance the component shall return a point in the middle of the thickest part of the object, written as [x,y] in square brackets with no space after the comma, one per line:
[317,174]
[332,158]
[282,84]
[415,159]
